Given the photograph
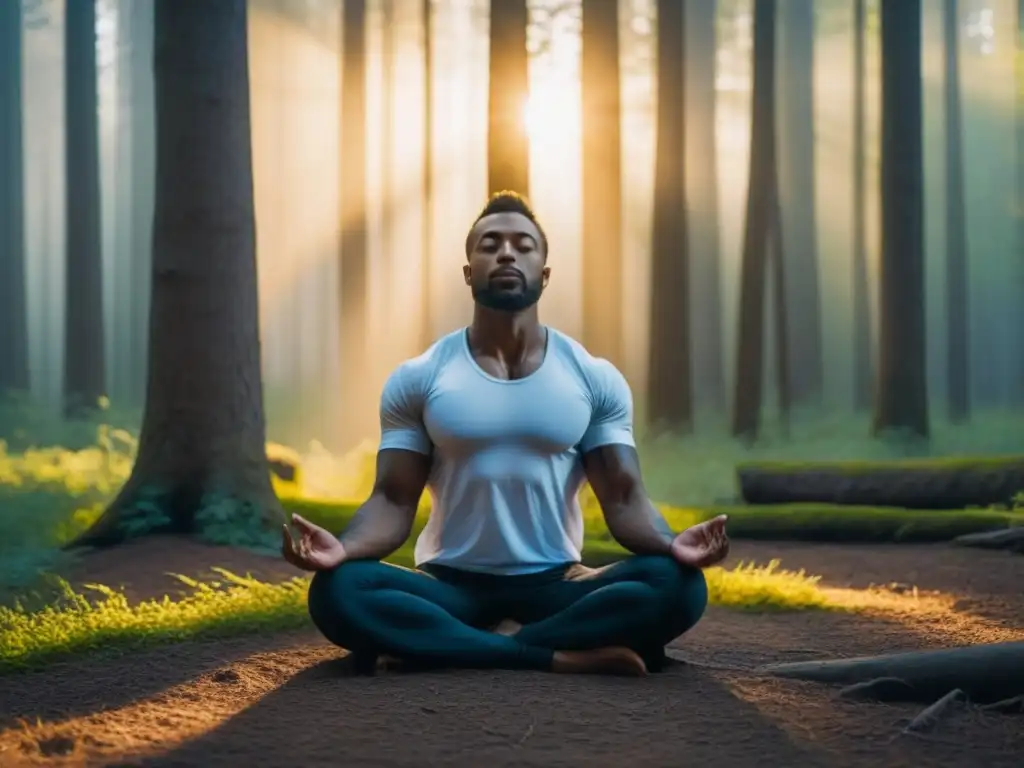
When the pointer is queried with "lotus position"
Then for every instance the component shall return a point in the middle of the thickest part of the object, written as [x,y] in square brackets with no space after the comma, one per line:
[502,422]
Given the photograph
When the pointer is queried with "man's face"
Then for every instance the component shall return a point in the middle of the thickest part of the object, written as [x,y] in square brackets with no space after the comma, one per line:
[506,269]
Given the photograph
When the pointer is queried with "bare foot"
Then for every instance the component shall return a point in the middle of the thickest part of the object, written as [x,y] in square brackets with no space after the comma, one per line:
[506,627]
[602,661]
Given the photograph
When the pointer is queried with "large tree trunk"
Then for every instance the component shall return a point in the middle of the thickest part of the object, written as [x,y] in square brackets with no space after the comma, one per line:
[143,180]
[902,398]
[762,198]
[957,362]
[924,484]
[14,373]
[797,196]
[386,268]
[1019,207]
[863,362]
[602,181]
[670,395]
[202,464]
[706,335]
[508,145]
[84,369]
[426,317]
[354,269]
[986,673]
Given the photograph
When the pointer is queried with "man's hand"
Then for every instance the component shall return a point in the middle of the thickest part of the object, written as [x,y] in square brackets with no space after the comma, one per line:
[703,545]
[316,550]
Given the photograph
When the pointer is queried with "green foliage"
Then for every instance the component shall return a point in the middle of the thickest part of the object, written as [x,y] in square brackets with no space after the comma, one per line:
[227,520]
[74,624]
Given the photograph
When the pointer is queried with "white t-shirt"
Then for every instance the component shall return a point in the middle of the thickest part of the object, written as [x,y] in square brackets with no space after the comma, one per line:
[507,464]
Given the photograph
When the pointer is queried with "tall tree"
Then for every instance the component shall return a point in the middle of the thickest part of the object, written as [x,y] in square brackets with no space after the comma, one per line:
[702,200]
[426,318]
[902,398]
[201,463]
[957,362]
[762,238]
[602,180]
[14,372]
[508,146]
[354,269]
[670,391]
[797,197]
[84,369]
[387,138]
[1019,207]
[863,365]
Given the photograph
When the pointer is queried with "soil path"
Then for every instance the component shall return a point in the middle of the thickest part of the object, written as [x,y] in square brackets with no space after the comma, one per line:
[288,700]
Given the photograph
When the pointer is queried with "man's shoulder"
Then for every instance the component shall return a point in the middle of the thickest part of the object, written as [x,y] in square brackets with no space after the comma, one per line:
[598,371]
[422,369]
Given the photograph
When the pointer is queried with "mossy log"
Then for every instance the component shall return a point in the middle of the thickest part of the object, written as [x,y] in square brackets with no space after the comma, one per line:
[929,484]
[1010,539]
[985,673]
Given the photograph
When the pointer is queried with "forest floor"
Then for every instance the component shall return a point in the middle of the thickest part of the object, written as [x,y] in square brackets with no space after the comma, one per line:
[287,700]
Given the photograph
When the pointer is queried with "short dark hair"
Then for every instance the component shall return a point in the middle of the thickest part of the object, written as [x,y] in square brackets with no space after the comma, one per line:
[507,201]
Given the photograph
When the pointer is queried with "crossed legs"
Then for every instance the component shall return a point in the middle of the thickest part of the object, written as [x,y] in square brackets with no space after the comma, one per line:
[443,617]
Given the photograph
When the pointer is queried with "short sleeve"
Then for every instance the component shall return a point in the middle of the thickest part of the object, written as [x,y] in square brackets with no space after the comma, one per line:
[611,422]
[401,413]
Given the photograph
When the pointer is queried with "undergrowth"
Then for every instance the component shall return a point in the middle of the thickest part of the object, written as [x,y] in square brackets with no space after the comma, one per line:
[74,623]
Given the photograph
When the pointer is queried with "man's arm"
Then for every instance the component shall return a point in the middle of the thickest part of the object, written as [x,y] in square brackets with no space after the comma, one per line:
[613,467]
[633,521]
[384,521]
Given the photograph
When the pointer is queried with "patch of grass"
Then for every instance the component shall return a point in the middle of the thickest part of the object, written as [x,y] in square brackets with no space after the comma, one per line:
[781,522]
[74,624]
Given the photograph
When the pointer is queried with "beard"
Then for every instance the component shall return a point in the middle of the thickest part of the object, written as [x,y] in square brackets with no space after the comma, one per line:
[503,300]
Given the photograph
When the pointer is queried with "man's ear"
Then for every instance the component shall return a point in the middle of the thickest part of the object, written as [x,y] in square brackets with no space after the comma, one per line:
[467,274]
[545,276]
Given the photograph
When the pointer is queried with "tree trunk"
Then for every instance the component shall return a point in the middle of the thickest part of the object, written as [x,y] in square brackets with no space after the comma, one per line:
[386,268]
[780,320]
[902,402]
[426,318]
[924,484]
[761,197]
[1019,207]
[602,181]
[84,369]
[14,371]
[863,363]
[797,198]
[508,152]
[986,673]
[707,338]
[957,363]
[202,464]
[670,397]
[143,180]
[354,269]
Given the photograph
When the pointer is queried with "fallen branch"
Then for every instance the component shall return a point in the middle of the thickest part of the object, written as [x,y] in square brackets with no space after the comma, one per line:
[1010,539]
[931,715]
[879,689]
[985,673]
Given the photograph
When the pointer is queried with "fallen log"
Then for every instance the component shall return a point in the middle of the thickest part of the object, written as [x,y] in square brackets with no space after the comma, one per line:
[985,673]
[911,484]
[1009,539]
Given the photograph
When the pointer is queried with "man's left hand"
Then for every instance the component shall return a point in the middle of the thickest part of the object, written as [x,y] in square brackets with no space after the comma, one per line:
[703,545]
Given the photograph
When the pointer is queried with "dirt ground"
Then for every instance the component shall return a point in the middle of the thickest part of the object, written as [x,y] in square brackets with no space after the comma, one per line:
[288,700]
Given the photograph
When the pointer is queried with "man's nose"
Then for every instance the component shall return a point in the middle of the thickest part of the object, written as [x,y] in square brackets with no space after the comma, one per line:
[506,254]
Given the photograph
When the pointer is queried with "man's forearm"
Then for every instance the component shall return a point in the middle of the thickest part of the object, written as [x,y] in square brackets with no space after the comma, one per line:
[637,525]
[378,528]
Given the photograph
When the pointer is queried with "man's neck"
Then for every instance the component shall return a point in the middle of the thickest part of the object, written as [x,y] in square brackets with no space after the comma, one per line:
[507,336]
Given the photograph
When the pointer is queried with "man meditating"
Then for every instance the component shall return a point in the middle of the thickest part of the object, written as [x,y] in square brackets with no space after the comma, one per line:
[502,422]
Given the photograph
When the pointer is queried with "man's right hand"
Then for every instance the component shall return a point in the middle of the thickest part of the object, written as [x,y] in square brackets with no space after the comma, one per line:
[316,549]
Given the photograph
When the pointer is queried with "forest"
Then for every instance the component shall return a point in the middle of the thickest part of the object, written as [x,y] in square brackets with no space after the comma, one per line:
[796,226]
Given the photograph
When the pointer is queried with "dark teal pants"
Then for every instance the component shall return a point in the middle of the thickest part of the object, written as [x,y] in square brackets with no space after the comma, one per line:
[440,616]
